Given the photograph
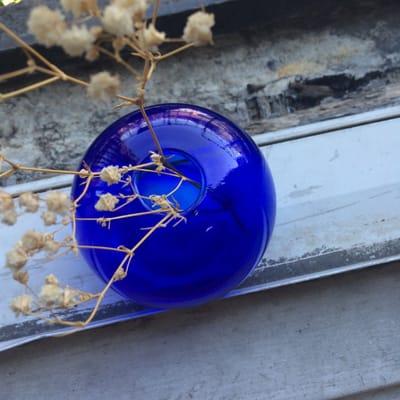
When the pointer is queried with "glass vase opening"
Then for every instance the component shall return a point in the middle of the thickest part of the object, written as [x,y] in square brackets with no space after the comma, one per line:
[185,194]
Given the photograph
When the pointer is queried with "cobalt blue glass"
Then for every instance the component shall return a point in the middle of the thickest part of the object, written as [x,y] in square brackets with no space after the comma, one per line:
[229,211]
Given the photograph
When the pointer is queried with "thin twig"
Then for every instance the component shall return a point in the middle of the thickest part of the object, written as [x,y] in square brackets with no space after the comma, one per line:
[108,219]
[119,60]
[26,46]
[18,72]
[173,52]
[29,88]
[156,7]
[101,295]
[117,249]
[151,129]
[170,209]
[176,188]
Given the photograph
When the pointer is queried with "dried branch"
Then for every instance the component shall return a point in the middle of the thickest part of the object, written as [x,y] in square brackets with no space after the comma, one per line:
[123,25]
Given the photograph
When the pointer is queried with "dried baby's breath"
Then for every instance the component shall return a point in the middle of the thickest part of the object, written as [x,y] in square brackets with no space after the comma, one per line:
[49,218]
[29,201]
[117,21]
[16,258]
[198,28]
[124,33]
[6,201]
[51,294]
[157,160]
[106,202]
[77,40]
[110,174]
[120,274]
[83,173]
[51,246]
[152,37]
[9,217]
[22,304]
[32,241]
[70,297]
[57,202]
[103,86]
[21,276]
[46,25]
[51,279]
[160,201]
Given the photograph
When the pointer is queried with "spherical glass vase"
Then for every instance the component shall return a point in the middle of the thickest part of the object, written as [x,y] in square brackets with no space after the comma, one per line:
[227,206]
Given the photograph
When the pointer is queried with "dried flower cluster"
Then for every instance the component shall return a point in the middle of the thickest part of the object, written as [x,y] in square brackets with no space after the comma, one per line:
[77,40]
[118,31]
[47,25]
[110,174]
[57,202]
[22,304]
[7,209]
[106,202]
[117,21]
[57,209]
[30,201]
[198,29]
[120,26]
[103,86]
[53,295]
[152,38]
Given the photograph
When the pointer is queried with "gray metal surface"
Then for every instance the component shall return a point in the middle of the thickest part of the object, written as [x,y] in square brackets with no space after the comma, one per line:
[338,210]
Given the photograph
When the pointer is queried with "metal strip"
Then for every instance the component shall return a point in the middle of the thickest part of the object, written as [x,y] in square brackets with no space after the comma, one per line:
[55,182]
[318,128]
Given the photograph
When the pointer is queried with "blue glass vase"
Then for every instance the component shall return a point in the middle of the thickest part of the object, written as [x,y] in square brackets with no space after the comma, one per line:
[229,207]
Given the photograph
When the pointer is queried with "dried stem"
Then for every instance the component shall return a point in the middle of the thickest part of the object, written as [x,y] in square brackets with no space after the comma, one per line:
[72,79]
[21,167]
[14,74]
[109,219]
[93,247]
[54,70]
[151,129]
[31,50]
[126,259]
[75,205]
[154,15]
[173,52]
[119,60]
[29,88]
[159,166]
[176,188]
